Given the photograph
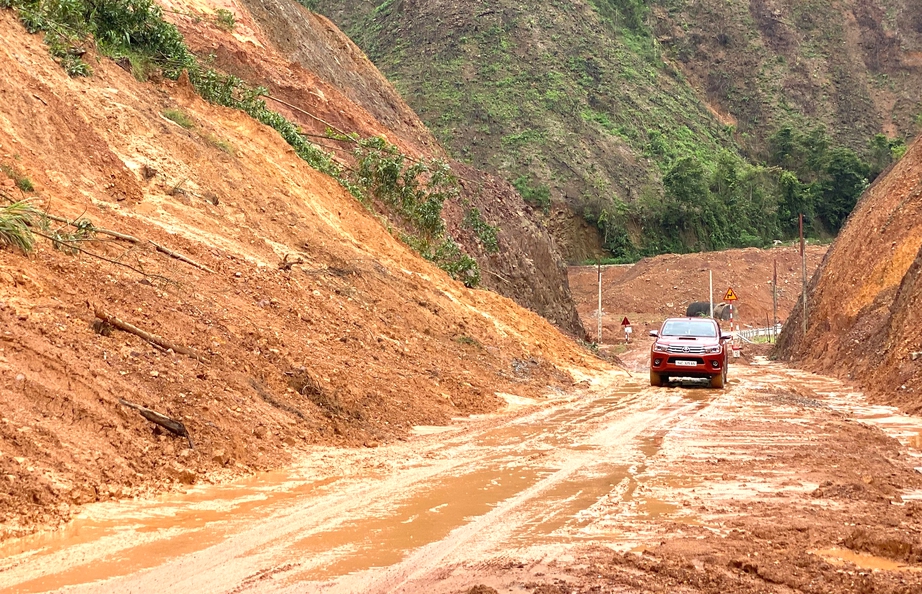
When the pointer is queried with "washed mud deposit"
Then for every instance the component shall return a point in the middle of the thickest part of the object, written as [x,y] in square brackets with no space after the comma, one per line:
[784,482]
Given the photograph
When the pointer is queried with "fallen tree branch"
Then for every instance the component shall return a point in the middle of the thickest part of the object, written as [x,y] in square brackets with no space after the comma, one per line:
[180,257]
[499,276]
[133,239]
[310,115]
[151,338]
[96,229]
[286,264]
[171,425]
[70,245]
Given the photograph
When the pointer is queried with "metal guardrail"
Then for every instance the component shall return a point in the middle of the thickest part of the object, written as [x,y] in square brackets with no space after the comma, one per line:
[750,333]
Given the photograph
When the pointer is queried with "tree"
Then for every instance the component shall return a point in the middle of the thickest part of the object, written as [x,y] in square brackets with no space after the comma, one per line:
[846,178]
[686,190]
[795,199]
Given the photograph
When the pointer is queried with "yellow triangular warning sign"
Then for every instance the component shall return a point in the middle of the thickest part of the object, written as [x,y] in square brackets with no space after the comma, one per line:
[730,296]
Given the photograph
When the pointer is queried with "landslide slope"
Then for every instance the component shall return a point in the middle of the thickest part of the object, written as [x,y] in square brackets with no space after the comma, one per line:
[317,71]
[592,103]
[865,300]
[314,325]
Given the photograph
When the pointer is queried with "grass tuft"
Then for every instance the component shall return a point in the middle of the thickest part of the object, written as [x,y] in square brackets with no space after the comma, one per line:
[179,117]
[21,180]
[219,143]
[15,220]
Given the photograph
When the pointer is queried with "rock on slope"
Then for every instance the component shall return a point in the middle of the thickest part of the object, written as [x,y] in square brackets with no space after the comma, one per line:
[865,315]
[355,342]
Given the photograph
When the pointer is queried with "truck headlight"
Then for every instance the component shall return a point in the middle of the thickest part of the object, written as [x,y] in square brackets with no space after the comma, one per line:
[660,348]
[713,349]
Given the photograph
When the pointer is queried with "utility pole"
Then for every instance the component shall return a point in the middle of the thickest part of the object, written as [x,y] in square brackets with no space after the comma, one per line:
[803,263]
[775,298]
[599,264]
[711,290]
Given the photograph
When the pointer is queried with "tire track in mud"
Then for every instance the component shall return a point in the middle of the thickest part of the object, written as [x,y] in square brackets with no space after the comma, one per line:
[495,527]
[565,438]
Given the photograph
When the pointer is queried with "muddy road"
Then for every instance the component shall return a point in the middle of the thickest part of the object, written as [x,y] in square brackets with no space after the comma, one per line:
[782,482]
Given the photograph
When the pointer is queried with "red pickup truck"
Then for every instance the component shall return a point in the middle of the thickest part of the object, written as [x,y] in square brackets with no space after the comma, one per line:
[689,347]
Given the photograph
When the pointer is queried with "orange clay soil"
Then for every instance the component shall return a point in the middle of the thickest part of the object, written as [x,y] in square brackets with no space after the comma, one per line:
[662,286]
[354,344]
[865,316]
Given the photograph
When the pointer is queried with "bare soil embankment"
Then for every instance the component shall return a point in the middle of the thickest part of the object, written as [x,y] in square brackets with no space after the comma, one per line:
[325,80]
[662,286]
[864,320]
[353,344]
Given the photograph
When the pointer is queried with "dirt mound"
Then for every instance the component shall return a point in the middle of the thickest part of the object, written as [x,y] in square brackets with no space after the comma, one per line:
[864,316]
[663,286]
[312,323]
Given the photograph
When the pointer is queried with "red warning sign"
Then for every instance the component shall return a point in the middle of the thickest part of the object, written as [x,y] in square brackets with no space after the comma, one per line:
[625,322]
[730,296]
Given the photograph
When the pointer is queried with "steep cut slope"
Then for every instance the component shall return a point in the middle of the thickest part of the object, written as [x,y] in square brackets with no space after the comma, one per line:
[317,71]
[596,103]
[865,315]
[311,322]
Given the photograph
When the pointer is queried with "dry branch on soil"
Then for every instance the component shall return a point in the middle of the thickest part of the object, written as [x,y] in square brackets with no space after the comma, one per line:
[180,257]
[71,246]
[171,425]
[135,240]
[151,338]
[286,264]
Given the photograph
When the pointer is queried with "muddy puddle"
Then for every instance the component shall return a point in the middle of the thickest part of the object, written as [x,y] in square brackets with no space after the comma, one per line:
[385,536]
[837,556]
[905,428]
[505,461]
[142,534]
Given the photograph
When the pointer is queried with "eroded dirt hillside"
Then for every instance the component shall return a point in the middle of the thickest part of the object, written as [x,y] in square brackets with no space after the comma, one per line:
[864,311]
[326,81]
[656,288]
[313,324]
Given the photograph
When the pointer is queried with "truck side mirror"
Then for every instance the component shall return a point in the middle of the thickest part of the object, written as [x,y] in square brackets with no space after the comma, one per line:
[726,336]
[654,333]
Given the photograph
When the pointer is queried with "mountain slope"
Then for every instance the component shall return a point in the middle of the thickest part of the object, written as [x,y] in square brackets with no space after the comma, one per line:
[311,323]
[595,104]
[316,70]
[864,314]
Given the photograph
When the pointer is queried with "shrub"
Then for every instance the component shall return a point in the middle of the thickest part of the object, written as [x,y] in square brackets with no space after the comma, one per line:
[539,197]
[121,28]
[449,257]
[485,232]
[225,19]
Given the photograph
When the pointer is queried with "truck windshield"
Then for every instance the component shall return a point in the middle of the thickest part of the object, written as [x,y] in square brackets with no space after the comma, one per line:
[705,328]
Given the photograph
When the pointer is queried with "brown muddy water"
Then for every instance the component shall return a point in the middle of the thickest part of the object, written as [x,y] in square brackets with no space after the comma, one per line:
[594,467]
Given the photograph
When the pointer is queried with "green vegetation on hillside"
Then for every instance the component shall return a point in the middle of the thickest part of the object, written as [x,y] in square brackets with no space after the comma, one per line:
[652,119]
[413,192]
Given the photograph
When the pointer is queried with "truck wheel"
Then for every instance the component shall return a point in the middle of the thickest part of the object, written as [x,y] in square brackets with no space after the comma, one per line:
[655,379]
[717,381]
